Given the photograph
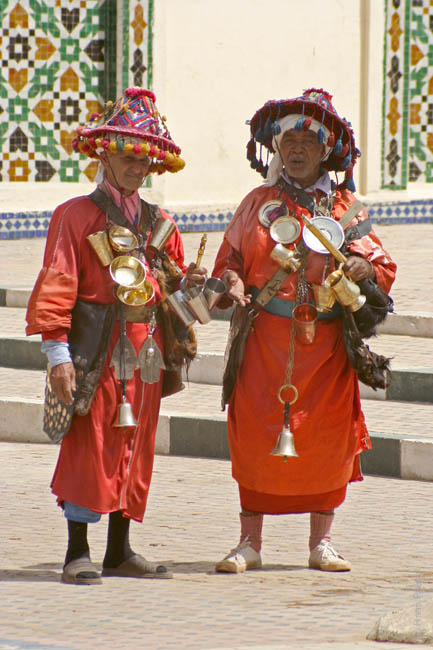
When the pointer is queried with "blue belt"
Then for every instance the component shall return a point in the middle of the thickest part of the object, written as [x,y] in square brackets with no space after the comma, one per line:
[281,307]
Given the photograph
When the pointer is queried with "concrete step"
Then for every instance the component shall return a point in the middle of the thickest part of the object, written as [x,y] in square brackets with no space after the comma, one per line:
[191,423]
[207,368]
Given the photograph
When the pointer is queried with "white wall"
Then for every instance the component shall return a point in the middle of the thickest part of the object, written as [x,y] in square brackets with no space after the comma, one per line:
[217,62]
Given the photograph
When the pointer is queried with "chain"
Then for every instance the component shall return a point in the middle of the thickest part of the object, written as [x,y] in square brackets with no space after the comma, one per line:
[300,296]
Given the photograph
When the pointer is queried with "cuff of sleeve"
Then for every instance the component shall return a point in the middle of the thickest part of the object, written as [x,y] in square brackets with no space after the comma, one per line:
[57,352]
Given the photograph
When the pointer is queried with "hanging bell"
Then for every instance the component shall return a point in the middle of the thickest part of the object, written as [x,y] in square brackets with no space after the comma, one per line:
[285,445]
[125,416]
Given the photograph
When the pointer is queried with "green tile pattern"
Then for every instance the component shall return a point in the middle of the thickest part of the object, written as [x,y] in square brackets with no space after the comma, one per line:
[407,120]
[59,65]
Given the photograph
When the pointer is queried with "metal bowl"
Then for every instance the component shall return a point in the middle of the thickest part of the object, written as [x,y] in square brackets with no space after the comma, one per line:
[122,239]
[330,228]
[128,271]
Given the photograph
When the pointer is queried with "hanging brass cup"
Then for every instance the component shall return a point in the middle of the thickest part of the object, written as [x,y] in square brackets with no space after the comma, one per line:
[128,271]
[101,245]
[347,292]
[161,233]
[287,258]
[122,239]
[304,318]
[324,297]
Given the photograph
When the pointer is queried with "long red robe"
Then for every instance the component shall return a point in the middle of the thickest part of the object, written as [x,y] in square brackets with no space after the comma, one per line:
[99,467]
[326,420]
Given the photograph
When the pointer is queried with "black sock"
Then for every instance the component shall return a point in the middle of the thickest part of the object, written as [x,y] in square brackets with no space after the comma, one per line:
[77,541]
[118,548]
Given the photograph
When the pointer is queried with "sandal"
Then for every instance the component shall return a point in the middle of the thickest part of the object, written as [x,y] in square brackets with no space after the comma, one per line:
[81,572]
[138,567]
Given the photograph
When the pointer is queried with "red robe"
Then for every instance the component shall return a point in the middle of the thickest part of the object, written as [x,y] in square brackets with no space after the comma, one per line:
[326,420]
[100,467]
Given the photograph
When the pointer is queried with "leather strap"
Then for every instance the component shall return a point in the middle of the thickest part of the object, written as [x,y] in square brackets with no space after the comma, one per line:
[270,289]
[114,214]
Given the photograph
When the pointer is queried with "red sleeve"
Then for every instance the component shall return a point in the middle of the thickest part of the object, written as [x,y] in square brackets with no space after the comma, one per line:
[55,291]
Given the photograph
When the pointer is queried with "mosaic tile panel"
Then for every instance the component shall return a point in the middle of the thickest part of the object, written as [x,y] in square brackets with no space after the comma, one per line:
[59,66]
[407,134]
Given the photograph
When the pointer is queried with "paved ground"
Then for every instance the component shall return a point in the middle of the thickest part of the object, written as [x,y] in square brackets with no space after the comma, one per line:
[384,527]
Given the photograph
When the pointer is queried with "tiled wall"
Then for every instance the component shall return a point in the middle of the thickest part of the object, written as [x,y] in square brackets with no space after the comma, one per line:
[59,64]
[407,135]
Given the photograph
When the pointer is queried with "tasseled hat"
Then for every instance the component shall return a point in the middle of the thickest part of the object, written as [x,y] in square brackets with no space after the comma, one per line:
[133,124]
[314,104]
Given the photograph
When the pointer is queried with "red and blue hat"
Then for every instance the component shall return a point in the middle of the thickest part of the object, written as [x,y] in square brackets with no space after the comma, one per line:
[313,104]
[132,124]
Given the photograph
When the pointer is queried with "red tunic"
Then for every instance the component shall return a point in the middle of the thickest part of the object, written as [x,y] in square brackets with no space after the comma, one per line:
[99,467]
[326,420]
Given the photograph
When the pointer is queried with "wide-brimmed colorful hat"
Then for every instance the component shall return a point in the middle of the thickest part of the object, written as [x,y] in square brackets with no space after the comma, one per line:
[313,104]
[132,124]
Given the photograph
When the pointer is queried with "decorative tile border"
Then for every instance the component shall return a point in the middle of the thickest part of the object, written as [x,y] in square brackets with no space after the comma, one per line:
[407,120]
[23,225]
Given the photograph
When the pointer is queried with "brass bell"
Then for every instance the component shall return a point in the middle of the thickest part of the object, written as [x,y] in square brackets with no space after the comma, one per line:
[285,445]
[125,416]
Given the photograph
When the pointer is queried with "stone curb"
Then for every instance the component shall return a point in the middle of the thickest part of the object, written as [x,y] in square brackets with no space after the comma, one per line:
[402,457]
[207,368]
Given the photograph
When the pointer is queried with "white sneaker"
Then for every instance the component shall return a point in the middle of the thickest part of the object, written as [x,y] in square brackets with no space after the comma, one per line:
[240,559]
[326,558]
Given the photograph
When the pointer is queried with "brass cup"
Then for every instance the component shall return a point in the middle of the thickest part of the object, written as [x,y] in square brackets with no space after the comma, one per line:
[128,271]
[324,297]
[136,296]
[161,233]
[347,292]
[122,239]
[101,246]
[304,321]
[287,258]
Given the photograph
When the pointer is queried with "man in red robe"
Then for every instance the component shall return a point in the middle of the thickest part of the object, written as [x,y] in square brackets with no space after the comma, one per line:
[104,468]
[308,139]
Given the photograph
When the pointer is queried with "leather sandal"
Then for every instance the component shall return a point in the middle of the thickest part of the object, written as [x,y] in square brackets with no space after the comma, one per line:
[81,572]
[138,567]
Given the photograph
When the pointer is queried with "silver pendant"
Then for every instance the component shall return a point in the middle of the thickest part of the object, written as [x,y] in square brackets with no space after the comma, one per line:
[130,359]
[150,361]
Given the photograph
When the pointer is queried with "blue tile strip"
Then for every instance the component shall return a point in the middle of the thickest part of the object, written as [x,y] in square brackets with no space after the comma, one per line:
[21,225]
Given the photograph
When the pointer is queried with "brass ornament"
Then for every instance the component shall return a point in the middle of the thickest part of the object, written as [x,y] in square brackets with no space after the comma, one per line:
[285,230]
[130,359]
[265,210]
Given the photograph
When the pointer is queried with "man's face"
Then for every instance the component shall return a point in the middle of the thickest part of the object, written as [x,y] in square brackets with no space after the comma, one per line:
[125,171]
[302,155]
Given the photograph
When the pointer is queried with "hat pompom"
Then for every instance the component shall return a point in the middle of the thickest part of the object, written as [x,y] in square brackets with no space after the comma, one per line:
[276,128]
[140,92]
[307,123]
[331,140]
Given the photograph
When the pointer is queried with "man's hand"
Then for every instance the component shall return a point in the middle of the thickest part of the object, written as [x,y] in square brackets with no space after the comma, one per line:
[358,268]
[62,380]
[236,288]
[195,275]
